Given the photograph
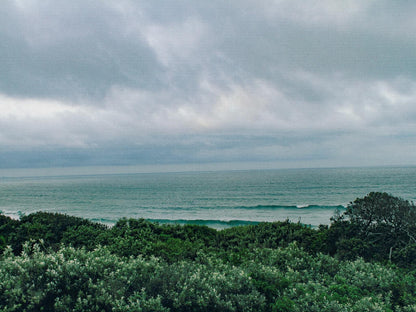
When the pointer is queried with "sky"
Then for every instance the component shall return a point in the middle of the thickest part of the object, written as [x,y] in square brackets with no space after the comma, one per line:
[247,83]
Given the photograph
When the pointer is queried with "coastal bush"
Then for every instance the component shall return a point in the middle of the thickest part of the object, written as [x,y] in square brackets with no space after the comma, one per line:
[323,283]
[79,280]
[2,243]
[50,227]
[131,237]
[282,279]
[85,236]
[268,235]
[8,229]
[71,280]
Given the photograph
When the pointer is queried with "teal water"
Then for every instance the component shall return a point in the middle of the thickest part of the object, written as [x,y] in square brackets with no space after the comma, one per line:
[217,199]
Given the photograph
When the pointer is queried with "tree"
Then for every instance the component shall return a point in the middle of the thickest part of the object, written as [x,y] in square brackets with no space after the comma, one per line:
[384,221]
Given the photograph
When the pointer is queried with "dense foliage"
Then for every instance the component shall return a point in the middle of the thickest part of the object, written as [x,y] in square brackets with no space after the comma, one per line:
[377,227]
[363,261]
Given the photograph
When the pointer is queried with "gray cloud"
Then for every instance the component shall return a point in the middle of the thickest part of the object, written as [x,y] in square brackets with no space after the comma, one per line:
[71,50]
[126,82]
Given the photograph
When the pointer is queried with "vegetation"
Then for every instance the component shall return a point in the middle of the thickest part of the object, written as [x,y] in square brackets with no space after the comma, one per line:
[377,227]
[364,261]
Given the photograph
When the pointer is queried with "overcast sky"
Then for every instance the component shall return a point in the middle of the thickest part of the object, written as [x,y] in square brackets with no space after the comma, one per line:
[289,83]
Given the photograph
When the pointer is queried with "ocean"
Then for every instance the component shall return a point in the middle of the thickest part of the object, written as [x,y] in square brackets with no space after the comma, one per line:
[219,199]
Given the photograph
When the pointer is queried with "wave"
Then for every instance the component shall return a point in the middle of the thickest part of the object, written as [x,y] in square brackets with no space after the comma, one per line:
[103,220]
[339,207]
[218,224]
[257,207]
[252,215]
[210,223]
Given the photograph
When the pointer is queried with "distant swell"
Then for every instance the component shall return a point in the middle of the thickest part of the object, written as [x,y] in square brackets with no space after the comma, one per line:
[340,207]
[264,207]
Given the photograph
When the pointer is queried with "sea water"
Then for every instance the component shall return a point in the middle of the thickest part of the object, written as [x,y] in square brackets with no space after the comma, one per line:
[218,198]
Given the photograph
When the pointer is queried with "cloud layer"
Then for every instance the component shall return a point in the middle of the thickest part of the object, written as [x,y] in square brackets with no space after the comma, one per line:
[310,83]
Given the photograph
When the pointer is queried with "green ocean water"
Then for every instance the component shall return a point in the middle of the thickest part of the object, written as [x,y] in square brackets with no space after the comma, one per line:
[218,198]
